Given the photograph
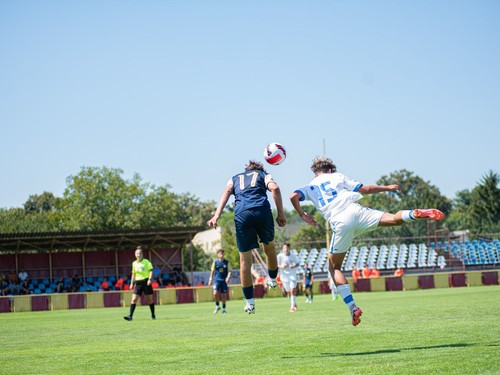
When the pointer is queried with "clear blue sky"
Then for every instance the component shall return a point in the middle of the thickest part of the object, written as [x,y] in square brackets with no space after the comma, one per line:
[186,92]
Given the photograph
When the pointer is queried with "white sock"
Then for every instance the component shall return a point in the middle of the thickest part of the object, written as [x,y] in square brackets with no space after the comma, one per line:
[407,215]
[292,300]
[250,301]
[345,293]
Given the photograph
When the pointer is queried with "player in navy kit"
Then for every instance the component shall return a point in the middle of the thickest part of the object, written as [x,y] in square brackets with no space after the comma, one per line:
[219,277]
[253,222]
[308,283]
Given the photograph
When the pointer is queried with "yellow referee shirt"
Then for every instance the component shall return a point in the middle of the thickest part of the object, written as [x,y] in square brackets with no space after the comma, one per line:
[141,269]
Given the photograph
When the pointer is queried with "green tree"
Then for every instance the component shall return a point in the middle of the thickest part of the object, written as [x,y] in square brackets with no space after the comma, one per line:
[308,236]
[16,220]
[414,193]
[460,217]
[485,204]
[41,203]
[101,199]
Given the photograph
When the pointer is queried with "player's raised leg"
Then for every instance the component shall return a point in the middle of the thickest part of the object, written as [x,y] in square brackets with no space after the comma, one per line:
[405,216]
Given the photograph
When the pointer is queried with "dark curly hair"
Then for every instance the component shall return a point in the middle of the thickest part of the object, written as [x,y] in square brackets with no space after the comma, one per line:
[254,166]
[323,164]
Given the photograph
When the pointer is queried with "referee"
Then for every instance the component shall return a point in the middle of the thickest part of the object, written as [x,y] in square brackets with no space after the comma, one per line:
[142,273]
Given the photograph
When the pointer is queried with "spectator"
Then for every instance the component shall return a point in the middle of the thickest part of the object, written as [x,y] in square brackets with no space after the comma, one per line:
[4,288]
[24,288]
[259,280]
[23,275]
[366,273]
[375,272]
[355,274]
[105,285]
[60,285]
[13,287]
[399,272]
[119,283]
[76,283]
[157,275]
[12,276]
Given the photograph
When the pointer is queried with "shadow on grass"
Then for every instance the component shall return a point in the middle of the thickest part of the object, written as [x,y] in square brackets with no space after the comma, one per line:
[387,351]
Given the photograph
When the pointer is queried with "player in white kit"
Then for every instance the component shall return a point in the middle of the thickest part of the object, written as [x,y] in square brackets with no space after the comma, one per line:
[288,264]
[335,196]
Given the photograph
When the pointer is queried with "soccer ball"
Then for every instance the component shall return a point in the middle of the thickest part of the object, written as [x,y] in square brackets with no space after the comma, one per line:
[275,153]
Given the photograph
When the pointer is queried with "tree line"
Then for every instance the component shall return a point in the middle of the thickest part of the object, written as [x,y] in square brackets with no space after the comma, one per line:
[100,198]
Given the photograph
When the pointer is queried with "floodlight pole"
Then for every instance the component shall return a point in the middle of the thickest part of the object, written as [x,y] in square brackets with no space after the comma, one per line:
[327,226]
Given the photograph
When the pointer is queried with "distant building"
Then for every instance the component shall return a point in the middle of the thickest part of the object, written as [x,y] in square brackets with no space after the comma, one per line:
[209,240]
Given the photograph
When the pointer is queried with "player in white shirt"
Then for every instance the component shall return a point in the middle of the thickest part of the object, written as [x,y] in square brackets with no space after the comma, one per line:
[288,264]
[335,196]
[333,287]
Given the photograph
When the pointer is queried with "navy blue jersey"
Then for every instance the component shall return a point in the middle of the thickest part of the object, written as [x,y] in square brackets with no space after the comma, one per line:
[250,190]
[221,269]
[307,275]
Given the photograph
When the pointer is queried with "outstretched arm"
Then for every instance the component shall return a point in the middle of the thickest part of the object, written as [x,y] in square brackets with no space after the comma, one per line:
[295,199]
[222,203]
[372,189]
[276,192]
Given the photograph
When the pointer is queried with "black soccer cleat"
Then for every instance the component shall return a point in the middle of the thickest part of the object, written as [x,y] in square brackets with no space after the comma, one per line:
[128,317]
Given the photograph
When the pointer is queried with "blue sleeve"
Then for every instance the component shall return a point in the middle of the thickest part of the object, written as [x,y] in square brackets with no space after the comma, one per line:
[302,196]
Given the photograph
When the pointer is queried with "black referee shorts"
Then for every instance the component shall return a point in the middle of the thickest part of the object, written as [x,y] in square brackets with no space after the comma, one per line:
[141,286]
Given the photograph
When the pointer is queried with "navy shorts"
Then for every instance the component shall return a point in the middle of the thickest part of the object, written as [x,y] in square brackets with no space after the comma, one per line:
[142,286]
[220,286]
[307,285]
[251,225]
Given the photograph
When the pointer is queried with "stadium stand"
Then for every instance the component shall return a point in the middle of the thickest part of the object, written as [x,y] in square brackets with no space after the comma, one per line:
[416,256]
[478,254]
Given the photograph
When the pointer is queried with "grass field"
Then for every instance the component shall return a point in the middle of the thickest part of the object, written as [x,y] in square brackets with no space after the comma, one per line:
[436,331]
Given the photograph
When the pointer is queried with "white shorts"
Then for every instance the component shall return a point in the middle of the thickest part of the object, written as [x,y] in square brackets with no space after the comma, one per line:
[289,284]
[350,223]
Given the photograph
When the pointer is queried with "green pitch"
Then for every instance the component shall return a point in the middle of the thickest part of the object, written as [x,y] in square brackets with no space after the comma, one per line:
[438,331]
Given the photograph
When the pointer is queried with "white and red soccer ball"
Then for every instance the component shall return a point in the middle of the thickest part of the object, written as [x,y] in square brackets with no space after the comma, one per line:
[275,153]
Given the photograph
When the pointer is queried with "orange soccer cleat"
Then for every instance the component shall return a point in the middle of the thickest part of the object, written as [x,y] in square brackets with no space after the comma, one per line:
[356,316]
[428,213]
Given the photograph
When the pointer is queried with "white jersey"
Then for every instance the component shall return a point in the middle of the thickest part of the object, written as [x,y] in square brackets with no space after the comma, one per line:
[288,273]
[331,193]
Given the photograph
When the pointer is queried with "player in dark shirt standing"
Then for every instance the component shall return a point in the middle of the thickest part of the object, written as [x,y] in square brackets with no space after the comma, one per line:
[253,220]
[308,283]
[219,277]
